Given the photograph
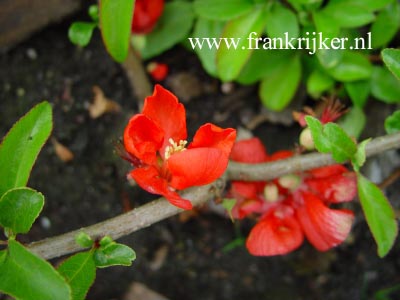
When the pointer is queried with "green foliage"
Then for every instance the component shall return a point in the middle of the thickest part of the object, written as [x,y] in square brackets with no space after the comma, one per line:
[111,253]
[353,122]
[358,91]
[115,23]
[22,145]
[28,277]
[319,82]
[379,214]
[360,157]
[386,25]
[391,57]
[19,208]
[228,204]
[281,20]
[353,66]
[384,86]
[392,123]
[80,33]
[222,10]
[84,240]
[79,271]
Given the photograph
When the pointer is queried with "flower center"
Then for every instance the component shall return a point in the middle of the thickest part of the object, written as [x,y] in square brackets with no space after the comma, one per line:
[174,147]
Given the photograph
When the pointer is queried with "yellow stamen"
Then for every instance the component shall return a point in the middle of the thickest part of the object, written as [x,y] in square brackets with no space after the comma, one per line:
[175,147]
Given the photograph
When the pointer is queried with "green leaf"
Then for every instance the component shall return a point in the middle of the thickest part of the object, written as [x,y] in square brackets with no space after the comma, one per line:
[79,271]
[84,240]
[392,123]
[360,157]
[281,21]
[348,14]
[325,23]
[234,53]
[319,82]
[28,277]
[358,91]
[229,204]
[342,146]
[379,214]
[386,25]
[329,58]
[353,66]
[391,58]
[208,29]
[353,122]
[115,24]
[384,86]
[277,90]
[222,10]
[372,5]
[114,254]
[22,145]
[80,33]
[93,12]
[321,142]
[19,208]
[173,27]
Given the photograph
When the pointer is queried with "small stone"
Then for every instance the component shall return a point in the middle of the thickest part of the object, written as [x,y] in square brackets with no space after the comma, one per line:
[45,222]
[31,53]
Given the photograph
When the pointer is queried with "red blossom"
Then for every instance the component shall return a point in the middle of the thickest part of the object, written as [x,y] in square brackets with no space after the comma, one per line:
[146,15]
[157,71]
[156,140]
[292,206]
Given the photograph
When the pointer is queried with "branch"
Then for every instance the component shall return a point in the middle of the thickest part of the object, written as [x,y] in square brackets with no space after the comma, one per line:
[160,209]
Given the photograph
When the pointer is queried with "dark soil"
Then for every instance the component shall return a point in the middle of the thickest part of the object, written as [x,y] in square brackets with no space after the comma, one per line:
[93,187]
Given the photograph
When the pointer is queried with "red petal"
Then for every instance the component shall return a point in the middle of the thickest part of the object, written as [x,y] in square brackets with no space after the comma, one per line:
[324,227]
[164,109]
[246,189]
[150,180]
[283,154]
[327,171]
[196,167]
[334,189]
[146,14]
[244,207]
[142,138]
[249,151]
[277,233]
[211,136]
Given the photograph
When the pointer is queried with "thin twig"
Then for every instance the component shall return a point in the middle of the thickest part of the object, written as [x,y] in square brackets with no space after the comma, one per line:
[160,209]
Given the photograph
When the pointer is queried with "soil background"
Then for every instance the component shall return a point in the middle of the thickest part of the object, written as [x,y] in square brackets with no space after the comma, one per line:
[183,257]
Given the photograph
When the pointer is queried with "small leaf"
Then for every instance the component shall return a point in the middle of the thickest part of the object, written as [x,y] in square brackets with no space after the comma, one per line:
[386,25]
[84,240]
[235,51]
[22,145]
[115,24]
[105,241]
[325,23]
[80,33]
[372,5]
[360,156]
[222,10]
[348,14]
[358,91]
[384,86]
[391,58]
[353,122]
[342,146]
[19,208]
[28,277]
[277,90]
[321,142]
[353,66]
[392,123]
[172,28]
[228,204]
[379,214]
[281,21]
[79,271]
[319,82]
[114,254]
[93,12]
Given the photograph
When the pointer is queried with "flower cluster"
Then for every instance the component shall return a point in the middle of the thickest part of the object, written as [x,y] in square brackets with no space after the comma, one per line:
[146,15]
[155,141]
[292,206]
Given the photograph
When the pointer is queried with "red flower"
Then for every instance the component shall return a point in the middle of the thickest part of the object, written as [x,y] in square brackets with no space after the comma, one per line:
[293,206]
[146,15]
[157,71]
[156,142]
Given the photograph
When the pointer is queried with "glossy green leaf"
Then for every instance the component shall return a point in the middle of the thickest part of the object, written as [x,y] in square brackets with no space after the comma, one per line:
[386,25]
[321,142]
[80,33]
[391,58]
[28,277]
[93,12]
[234,53]
[358,91]
[379,214]
[281,21]
[222,10]
[372,5]
[263,63]
[325,24]
[84,240]
[115,24]
[353,66]
[277,90]
[19,208]
[319,82]
[172,28]
[79,271]
[342,146]
[384,86]
[114,254]
[360,157]
[329,58]
[21,146]
[348,14]
[353,122]
[208,29]
[392,123]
